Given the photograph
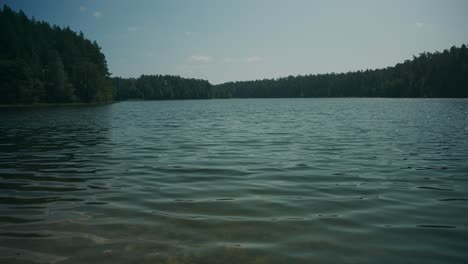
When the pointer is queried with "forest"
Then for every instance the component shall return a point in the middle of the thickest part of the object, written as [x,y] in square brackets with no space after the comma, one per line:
[165,87]
[40,63]
[439,74]
[429,75]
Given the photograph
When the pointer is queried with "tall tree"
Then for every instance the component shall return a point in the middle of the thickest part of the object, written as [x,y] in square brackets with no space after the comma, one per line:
[42,63]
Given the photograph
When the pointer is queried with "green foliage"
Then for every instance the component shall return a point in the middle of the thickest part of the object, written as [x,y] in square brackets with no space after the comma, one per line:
[44,64]
[17,83]
[162,87]
[428,75]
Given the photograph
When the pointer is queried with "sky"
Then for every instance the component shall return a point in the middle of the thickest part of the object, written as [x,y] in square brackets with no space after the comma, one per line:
[223,40]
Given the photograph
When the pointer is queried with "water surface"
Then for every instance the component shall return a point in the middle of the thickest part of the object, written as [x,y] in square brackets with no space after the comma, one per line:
[236,181]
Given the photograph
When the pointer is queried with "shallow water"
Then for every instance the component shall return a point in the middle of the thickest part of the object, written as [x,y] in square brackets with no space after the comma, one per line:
[236,181]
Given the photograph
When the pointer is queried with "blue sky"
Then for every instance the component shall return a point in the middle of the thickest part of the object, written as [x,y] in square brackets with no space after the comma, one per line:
[221,40]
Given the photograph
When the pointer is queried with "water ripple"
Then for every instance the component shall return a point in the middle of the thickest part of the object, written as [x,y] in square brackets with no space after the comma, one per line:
[236,181]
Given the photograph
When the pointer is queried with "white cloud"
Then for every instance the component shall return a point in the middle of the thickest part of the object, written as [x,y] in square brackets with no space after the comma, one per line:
[228,60]
[132,28]
[97,14]
[200,59]
[193,70]
[82,8]
[419,24]
[253,59]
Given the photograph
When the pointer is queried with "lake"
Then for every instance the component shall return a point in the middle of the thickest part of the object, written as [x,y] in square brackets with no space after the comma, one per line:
[236,181]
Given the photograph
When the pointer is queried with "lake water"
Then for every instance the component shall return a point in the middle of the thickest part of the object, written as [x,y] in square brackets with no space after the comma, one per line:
[236,181]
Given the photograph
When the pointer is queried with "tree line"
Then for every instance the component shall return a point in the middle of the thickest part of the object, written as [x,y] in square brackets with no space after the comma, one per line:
[164,87]
[40,63]
[428,75]
[439,74]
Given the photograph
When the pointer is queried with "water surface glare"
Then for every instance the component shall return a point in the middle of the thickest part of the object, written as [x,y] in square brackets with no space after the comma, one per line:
[236,181]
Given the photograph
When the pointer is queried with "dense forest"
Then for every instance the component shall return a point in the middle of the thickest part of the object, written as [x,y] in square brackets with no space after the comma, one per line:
[40,63]
[164,87]
[439,74]
[44,64]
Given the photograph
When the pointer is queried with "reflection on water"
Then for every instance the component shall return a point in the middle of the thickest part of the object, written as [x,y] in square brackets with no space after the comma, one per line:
[236,181]
[48,166]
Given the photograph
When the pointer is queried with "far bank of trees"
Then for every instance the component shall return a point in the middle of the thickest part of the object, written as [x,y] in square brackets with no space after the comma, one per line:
[40,63]
[439,74]
[164,87]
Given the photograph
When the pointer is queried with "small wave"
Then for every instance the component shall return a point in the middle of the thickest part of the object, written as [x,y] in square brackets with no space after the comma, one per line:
[203,170]
[36,200]
[436,226]
[434,188]
[17,220]
[453,199]
[24,234]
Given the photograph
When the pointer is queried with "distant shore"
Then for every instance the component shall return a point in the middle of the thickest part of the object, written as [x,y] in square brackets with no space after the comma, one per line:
[53,104]
[141,100]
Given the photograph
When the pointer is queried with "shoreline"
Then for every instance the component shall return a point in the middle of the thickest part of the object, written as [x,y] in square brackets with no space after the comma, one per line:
[143,100]
[53,104]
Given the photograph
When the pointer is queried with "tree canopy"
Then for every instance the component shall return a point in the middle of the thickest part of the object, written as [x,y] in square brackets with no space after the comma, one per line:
[40,63]
[439,74]
[164,87]
[429,75]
